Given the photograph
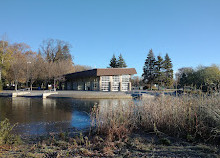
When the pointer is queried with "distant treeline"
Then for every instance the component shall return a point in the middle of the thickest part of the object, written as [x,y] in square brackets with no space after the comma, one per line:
[159,71]
[19,65]
[204,78]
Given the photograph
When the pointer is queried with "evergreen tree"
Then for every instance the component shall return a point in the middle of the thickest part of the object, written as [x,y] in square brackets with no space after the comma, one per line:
[149,69]
[168,71]
[121,62]
[159,73]
[113,62]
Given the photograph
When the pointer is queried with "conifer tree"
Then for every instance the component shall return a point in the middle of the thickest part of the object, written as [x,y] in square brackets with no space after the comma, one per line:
[149,69]
[121,62]
[159,72]
[168,71]
[113,62]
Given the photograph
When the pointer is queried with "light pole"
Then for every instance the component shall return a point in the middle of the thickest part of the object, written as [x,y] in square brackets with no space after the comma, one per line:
[27,74]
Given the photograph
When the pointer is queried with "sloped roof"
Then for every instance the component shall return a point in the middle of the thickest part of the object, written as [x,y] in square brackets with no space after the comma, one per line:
[102,72]
[116,71]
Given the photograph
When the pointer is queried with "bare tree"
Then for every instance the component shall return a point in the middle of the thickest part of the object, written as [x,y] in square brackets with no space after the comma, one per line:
[58,69]
[54,50]
[81,68]
[58,60]
[17,71]
[5,56]
[36,69]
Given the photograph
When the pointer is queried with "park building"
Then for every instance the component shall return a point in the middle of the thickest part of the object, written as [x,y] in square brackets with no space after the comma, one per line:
[109,79]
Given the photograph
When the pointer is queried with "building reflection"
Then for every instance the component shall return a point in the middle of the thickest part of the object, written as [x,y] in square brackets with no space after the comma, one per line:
[40,116]
[114,103]
[29,110]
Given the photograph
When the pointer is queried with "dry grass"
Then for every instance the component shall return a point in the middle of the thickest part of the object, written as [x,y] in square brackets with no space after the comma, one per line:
[193,118]
[190,117]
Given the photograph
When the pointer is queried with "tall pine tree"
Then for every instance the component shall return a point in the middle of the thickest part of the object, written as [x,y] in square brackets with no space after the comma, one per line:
[168,71]
[121,62]
[159,73]
[113,62]
[149,69]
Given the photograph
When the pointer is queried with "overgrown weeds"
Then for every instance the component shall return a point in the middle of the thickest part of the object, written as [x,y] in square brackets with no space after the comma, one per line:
[6,136]
[115,122]
[193,118]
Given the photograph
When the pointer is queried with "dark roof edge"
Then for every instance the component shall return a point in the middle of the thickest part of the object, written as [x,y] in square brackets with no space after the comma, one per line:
[104,71]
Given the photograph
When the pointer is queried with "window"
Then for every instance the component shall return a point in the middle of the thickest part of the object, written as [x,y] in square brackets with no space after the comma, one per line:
[115,83]
[87,86]
[95,86]
[80,86]
[125,82]
[105,83]
[75,86]
[125,78]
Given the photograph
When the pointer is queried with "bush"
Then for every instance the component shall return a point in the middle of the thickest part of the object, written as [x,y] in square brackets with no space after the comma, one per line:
[6,136]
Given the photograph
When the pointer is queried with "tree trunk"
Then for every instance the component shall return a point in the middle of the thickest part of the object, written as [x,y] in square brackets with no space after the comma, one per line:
[42,85]
[16,86]
[54,85]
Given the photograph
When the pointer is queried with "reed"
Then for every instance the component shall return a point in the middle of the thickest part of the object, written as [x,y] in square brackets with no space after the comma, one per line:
[191,117]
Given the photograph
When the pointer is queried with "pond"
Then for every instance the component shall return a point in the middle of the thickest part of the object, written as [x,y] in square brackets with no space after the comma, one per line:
[36,116]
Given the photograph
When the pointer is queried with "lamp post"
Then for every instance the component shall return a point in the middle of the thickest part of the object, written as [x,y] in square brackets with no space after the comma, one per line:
[27,74]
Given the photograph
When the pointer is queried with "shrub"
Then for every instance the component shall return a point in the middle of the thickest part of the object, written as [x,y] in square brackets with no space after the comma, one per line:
[6,136]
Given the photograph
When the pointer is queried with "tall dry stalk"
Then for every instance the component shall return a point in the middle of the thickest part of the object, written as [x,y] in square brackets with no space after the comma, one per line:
[187,116]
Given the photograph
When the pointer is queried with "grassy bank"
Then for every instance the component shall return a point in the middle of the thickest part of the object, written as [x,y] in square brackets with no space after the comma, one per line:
[158,127]
[136,145]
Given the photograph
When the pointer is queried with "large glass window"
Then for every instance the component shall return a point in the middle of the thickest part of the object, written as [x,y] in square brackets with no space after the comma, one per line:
[87,86]
[115,83]
[80,86]
[125,82]
[75,86]
[105,83]
[69,85]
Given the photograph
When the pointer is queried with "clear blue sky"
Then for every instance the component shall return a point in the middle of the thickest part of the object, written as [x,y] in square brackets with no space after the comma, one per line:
[188,30]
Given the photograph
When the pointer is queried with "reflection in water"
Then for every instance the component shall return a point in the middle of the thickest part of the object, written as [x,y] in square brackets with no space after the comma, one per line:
[106,105]
[49,102]
[38,116]
[29,110]
[80,119]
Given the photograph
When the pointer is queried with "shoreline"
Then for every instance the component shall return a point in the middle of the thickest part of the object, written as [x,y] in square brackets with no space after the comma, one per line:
[68,94]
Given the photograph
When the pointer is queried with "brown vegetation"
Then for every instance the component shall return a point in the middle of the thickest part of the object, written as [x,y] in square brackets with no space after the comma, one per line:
[136,130]
[19,65]
[192,118]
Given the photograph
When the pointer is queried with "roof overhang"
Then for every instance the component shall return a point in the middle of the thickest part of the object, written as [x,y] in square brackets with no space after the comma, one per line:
[101,72]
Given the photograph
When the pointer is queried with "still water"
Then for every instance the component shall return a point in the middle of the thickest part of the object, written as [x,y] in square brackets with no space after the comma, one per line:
[36,116]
